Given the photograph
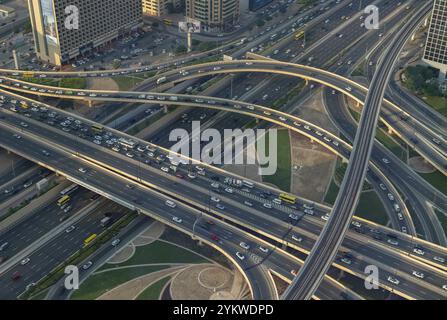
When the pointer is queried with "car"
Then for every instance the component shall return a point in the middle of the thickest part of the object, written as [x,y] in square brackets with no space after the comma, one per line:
[4,246]
[17,136]
[164,169]
[240,255]
[393,280]
[356,224]
[170,203]
[393,242]
[115,242]
[16,276]
[346,260]
[294,272]
[27,184]
[296,238]
[24,124]
[244,245]
[67,209]
[229,190]
[214,237]
[192,175]
[418,274]
[439,259]
[248,203]
[177,219]
[220,207]
[130,155]
[309,212]
[87,265]
[83,170]
[349,89]
[70,229]
[293,216]
[215,199]
[419,251]
[25,261]
[29,286]
[130,186]
[325,217]
[385,160]
[267,205]
[263,249]
[390,196]
[382,186]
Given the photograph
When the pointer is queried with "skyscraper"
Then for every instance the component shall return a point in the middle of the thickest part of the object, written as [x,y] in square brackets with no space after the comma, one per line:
[214,15]
[99,23]
[436,47]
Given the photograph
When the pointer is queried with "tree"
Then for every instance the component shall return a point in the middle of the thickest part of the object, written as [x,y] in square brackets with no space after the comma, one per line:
[260,23]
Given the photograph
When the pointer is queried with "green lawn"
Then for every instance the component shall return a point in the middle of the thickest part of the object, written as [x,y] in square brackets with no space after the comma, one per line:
[153,292]
[158,252]
[443,219]
[438,103]
[371,208]
[98,284]
[332,193]
[437,180]
[281,178]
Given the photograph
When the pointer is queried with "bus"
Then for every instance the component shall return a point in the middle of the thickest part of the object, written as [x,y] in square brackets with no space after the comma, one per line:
[299,35]
[129,143]
[248,184]
[28,74]
[69,189]
[287,198]
[97,128]
[89,239]
[167,22]
[63,200]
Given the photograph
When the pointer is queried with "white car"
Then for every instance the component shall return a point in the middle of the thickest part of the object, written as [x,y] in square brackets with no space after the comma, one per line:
[393,242]
[164,169]
[439,259]
[385,160]
[267,205]
[244,245]
[418,274]
[87,265]
[444,287]
[419,251]
[115,242]
[393,280]
[215,199]
[25,261]
[170,203]
[70,229]
[240,255]
[177,219]
[293,216]
[263,249]
[325,217]
[356,224]
[346,260]
[83,170]
[130,155]
[229,190]
[296,238]
[349,89]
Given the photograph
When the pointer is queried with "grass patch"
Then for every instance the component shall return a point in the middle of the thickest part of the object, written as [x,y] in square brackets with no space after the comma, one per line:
[281,178]
[371,208]
[153,292]
[98,284]
[443,219]
[437,103]
[332,193]
[126,83]
[158,252]
[437,180]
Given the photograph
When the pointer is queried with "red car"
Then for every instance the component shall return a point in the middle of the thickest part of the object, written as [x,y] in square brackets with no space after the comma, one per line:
[178,175]
[16,276]
[214,237]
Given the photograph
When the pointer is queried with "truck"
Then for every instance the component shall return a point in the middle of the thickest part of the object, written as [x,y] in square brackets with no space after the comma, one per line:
[233,182]
[105,221]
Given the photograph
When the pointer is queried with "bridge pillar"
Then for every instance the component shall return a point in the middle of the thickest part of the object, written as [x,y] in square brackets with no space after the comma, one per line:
[165,109]
[90,103]
[390,130]
[413,36]
[257,120]
[307,81]
[358,105]
[343,160]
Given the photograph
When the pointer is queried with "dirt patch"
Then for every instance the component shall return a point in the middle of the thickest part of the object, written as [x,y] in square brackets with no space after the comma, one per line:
[420,165]
[202,282]
[151,234]
[123,255]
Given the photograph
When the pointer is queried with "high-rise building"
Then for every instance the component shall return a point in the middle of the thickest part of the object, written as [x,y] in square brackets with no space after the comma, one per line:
[436,47]
[100,22]
[155,8]
[214,15]
[158,8]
